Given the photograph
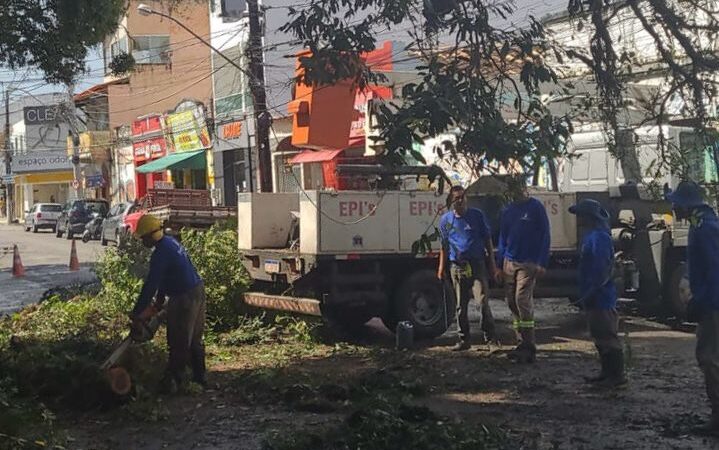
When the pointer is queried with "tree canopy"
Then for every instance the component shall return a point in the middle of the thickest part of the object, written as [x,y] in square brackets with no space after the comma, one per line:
[54,36]
[488,81]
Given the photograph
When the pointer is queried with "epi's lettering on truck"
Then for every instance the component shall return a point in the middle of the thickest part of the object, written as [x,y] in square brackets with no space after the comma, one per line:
[551,206]
[425,208]
[357,208]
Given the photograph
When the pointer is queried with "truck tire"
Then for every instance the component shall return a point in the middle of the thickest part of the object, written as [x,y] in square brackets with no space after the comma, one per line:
[421,301]
[678,292]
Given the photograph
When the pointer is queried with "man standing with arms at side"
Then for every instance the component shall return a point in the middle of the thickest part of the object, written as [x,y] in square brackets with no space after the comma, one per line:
[523,254]
[597,291]
[703,308]
[467,245]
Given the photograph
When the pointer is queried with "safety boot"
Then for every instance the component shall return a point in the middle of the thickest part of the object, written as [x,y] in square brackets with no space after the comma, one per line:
[615,374]
[603,374]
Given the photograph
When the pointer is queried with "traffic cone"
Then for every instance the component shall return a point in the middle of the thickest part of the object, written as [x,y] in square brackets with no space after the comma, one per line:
[74,263]
[17,268]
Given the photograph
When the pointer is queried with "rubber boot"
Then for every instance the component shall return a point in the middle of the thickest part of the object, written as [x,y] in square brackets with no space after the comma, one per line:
[615,366]
[603,374]
[526,351]
[197,360]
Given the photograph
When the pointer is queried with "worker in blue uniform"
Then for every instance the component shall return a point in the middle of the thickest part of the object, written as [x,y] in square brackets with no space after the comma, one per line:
[598,293]
[172,274]
[522,256]
[467,247]
[703,259]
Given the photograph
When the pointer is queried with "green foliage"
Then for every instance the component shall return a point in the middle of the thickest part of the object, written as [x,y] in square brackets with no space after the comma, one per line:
[213,252]
[479,81]
[122,64]
[53,36]
[218,260]
[387,425]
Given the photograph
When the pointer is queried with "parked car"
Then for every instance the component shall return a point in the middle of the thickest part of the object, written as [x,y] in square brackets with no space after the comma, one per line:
[77,213]
[114,227]
[42,215]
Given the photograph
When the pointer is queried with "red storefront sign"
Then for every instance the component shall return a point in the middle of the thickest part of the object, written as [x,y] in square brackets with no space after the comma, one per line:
[147,125]
[149,149]
[361,100]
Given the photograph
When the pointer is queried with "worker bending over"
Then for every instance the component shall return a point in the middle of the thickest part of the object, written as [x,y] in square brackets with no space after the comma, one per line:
[173,275]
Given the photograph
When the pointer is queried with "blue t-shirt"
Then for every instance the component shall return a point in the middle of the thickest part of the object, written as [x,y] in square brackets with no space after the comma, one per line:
[595,268]
[703,257]
[463,237]
[171,273]
[524,233]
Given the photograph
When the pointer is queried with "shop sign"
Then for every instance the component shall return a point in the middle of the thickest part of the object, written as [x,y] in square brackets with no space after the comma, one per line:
[357,129]
[164,185]
[234,135]
[45,128]
[54,161]
[147,125]
[187,130]
[38,115]
[149,149]
[94,181]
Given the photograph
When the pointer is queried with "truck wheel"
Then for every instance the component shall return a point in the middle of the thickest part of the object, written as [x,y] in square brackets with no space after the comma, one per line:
[678,291]
[422,302]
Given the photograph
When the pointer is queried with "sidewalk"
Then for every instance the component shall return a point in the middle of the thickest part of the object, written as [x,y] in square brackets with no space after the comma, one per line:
[19,292]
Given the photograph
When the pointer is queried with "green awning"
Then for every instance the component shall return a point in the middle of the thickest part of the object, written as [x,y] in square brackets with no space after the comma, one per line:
[173,161]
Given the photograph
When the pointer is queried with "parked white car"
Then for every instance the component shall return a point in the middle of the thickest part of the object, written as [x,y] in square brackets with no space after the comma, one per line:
[42,215]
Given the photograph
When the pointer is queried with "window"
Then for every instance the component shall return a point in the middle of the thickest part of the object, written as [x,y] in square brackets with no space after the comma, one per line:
[118,47]
[50,208]
[151,49]
[233,8]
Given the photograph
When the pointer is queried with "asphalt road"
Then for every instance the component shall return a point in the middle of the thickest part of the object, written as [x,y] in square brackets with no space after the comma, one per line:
[46,260]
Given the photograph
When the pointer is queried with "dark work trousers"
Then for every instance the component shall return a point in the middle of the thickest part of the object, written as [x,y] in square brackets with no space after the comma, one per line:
[707,353]
[467,286]
[604,329]
[185,325]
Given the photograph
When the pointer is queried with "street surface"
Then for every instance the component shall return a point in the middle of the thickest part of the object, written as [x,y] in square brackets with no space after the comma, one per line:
[46,259]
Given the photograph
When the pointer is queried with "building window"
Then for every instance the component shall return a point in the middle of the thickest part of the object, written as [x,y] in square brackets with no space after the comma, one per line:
[154,49]
[233,8]
[118,47]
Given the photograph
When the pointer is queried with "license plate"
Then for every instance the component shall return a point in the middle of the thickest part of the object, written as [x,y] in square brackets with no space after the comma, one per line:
[272,266]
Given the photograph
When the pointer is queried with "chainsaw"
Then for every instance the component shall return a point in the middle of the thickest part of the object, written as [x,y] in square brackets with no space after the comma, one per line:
[142,330]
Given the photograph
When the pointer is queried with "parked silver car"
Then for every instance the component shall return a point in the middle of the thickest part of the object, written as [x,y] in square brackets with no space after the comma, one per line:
[114,227]
[42,215]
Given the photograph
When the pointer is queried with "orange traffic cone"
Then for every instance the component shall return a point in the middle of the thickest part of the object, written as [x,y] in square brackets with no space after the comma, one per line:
[17,268]
[74,263]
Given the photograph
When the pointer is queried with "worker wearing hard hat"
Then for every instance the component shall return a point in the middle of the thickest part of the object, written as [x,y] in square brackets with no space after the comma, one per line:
[703,258]
[598,294]
[523,255]
[173,275]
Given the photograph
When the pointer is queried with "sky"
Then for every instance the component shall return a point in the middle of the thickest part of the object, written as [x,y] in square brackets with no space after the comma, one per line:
[29,81]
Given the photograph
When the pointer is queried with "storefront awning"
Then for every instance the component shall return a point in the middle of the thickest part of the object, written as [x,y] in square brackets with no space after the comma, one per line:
[173,161]
[314,156]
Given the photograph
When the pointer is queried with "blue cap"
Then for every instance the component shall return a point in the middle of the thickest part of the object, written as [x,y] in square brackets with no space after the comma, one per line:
[591,208]
[688,194]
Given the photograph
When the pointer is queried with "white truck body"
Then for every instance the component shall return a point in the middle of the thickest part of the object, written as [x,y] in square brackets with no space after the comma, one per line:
[360,222]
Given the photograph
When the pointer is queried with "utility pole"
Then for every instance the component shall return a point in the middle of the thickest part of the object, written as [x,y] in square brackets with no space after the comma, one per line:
[8,160]
[74,134]
[259,96]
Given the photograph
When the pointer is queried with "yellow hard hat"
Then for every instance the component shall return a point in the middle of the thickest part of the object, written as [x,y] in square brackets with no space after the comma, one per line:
[149,225]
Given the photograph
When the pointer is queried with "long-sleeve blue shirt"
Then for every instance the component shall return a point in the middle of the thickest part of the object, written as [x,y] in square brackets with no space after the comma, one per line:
[524,233]
[703,258]
[464,236]
[596,259]
[171,273]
